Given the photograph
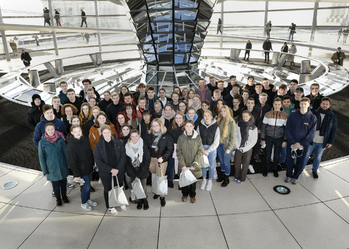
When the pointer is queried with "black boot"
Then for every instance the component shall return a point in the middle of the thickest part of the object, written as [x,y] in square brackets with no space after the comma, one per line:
[145,204]
[139,205]
[162,201]
[226,181]
[59,201]
[221,177]
[65,199]
[155,196]
[170,183]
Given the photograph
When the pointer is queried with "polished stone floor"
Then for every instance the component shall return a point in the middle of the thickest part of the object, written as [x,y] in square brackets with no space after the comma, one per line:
[249,215]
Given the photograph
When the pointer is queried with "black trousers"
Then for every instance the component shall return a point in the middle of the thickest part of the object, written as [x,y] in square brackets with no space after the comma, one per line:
[189,190]
[266,56]
[60,187]
[247,52]
[106,181]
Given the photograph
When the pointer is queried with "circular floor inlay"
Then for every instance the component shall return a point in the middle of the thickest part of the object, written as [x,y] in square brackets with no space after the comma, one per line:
[9,185]
[282,190]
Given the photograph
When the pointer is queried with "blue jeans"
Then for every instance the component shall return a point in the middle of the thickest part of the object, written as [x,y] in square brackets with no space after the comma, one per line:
[290,37]
[86,188]
[60,187]
[224,159]
[277,143]
[293,171]
[170,169]
[212,160]
[318,147]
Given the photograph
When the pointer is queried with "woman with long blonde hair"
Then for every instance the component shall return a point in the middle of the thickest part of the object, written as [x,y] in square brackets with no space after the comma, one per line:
[227,140]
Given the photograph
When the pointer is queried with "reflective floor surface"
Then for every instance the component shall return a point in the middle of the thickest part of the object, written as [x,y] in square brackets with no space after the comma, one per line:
[249,215]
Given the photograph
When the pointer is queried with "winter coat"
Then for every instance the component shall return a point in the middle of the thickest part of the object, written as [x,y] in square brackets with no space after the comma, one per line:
[292,50]
[34,115]
[301,128]
[40,129]
[267,46]
[210,133]
[100,155]
[331,128]
[79,155]
[53,159]
[62,96]
[165,145]
[230,140]
[103,104]
[113,110]
[251,141]
[314,101]
[336,59]
[175,133]
[142,172]
[189,153]
[94,135]
[77,103]
[274,125]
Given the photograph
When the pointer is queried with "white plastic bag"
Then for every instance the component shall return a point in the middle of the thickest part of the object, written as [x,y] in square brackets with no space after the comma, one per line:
[116,195]
[204,162]
[159,184]
[138,189]
[186,178]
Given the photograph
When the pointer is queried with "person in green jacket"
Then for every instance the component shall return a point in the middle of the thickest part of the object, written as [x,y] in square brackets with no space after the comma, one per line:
[189,153]
[53,161]
[227,143]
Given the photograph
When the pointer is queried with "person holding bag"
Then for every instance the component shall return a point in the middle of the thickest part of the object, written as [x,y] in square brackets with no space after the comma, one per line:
[210,135]
[109,154]
[160,144]
[189,153]
[246,138]
[53,161]
[137,164]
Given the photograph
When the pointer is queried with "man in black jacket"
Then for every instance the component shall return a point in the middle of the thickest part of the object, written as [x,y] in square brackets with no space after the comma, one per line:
[103,104]
[25,57]
[267,47]
[114,108]
[83,93]
[72,99]
[35,112]
[315,97]
[248,49]
[83,18]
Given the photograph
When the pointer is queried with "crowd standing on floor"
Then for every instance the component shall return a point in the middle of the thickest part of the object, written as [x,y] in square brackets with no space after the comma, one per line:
[132,137]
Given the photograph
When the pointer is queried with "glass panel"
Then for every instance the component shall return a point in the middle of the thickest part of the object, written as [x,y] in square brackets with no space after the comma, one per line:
[185,4]
[334,17]
[140,16]
[166,58]
[153,4]
[243,5]
[243,19]
[304,17]
[185,15]
[150,58]
[204,14]
[290,5]
[165,15]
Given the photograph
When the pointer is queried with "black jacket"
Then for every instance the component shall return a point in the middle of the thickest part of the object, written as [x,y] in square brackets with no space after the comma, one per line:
[34,115]
[113,110]
[101,159]
[141,172]
[165,145]
[314,101]
[103,104]
[267,45]
[175,133]
[77,103]
[79,155]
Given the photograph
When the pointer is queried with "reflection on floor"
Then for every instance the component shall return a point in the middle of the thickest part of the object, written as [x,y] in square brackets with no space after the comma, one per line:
[249,215]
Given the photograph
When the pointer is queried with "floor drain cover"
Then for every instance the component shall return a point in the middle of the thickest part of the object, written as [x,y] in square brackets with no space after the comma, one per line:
[282,190]
[9,185]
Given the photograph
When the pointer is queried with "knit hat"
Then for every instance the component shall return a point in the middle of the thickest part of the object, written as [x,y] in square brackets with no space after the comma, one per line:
[36,96]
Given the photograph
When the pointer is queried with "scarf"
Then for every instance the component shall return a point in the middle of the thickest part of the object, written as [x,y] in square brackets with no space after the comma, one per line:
[54,138]
[195,117]
[157,136]
[130,146]
[322,125]
[169,116]
[244,130]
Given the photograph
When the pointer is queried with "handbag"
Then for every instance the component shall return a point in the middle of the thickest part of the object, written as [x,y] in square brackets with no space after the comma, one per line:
[204,162]
[116,196]
[138,189]
[159,184]
[186,178]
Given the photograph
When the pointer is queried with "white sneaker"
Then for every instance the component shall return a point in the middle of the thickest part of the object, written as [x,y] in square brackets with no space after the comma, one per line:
[251,169]
[99,181]
[209,185]
[92,203]
[133,196]
[203,184]
[113,211]
[123,208]
[86,207]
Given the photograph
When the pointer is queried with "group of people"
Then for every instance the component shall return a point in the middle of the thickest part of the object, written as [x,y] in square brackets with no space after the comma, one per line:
[127,135]
[57,17]
[291,28]
[343,32]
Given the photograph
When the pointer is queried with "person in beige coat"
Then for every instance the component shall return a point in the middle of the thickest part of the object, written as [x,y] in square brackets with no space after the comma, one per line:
[189,153]
[338,57]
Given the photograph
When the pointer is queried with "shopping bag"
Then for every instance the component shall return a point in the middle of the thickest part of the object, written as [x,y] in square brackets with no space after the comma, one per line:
[186,178]
[159,184]
[138,189]
[116,195]
[204,162]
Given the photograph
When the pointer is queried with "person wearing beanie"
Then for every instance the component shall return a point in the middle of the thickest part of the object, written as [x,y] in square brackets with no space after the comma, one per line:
[35,112]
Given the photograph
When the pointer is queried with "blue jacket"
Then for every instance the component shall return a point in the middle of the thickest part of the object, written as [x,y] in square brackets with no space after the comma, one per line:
[53,159]
[301,128]
[40,129]
[331,129]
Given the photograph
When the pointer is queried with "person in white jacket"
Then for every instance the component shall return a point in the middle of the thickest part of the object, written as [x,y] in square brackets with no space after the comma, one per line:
[246,138]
